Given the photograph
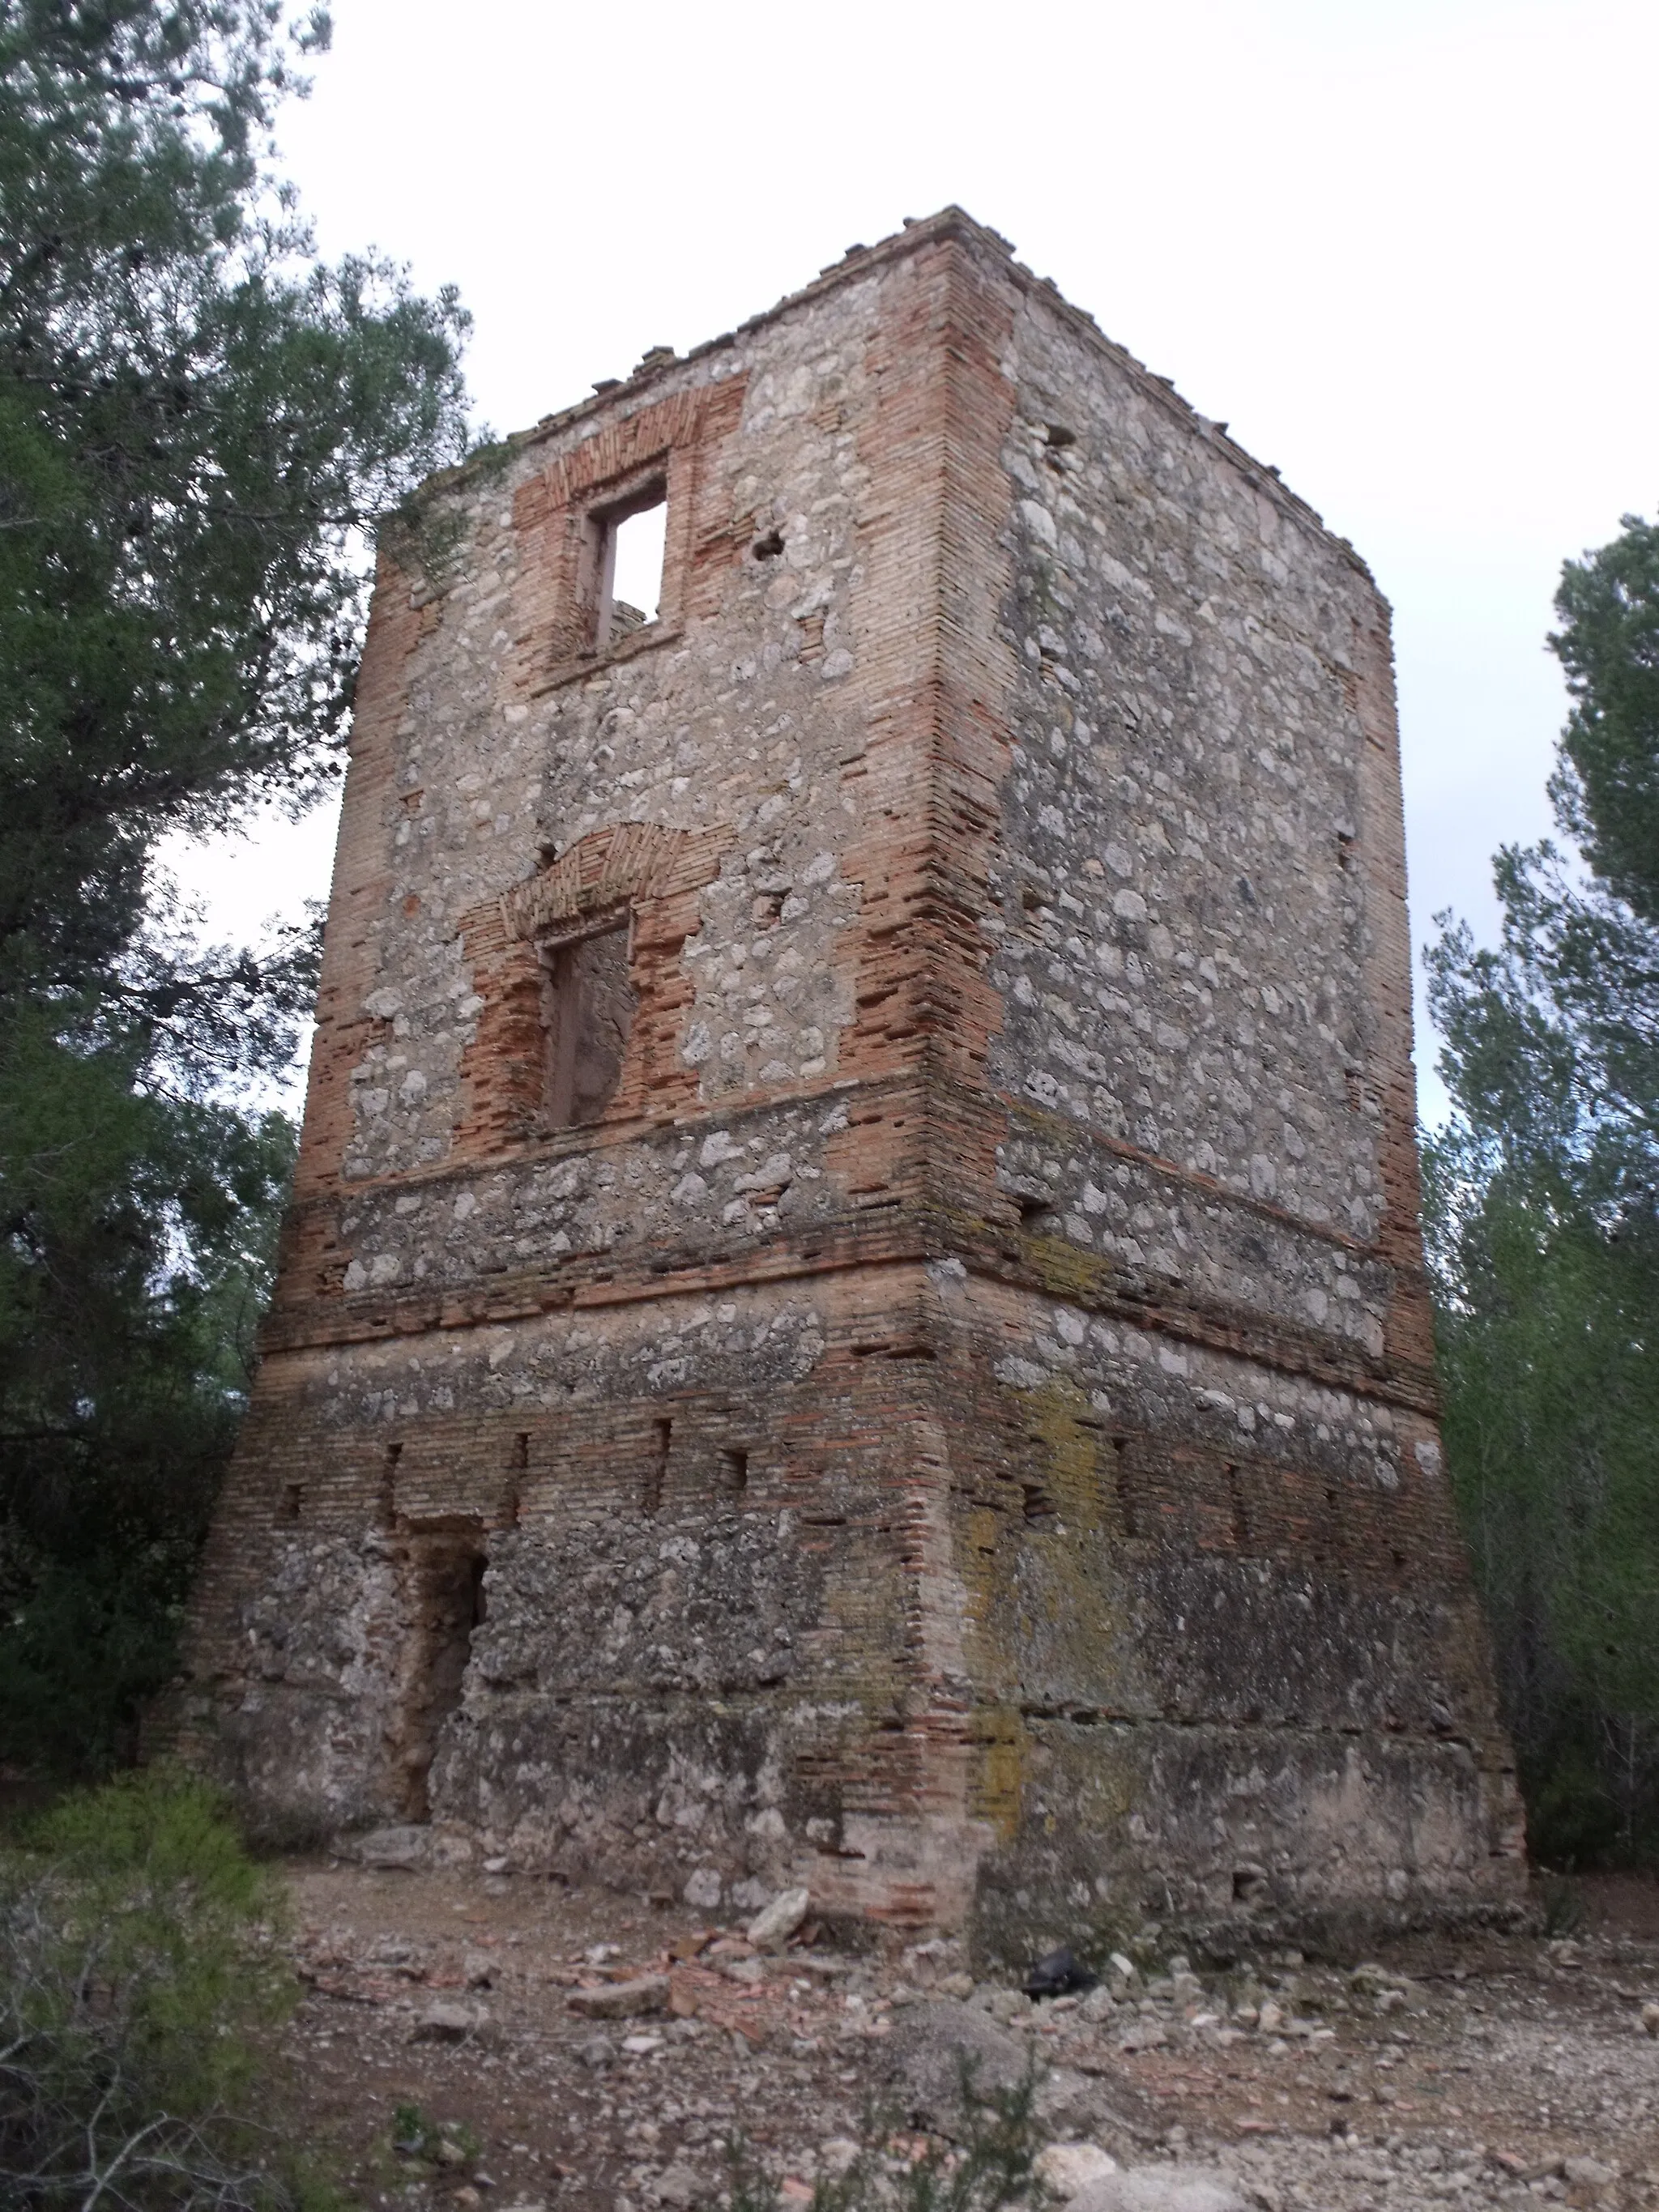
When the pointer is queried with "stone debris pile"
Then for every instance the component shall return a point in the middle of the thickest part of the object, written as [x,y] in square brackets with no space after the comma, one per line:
[603,2053]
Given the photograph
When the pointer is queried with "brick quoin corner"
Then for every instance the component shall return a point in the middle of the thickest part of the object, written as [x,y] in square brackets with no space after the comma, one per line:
[853,1311]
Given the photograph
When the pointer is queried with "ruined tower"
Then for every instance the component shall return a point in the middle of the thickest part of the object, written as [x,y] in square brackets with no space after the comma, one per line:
[853,1310]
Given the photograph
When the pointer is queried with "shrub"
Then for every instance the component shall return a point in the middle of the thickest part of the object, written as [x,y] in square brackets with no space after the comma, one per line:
[1572,1820]
[137,1964]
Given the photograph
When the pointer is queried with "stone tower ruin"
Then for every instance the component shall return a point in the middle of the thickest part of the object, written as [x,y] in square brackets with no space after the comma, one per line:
[853,1310]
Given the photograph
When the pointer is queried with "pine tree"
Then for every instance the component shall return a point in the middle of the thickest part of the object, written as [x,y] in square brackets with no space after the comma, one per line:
[201,425]
[1544,1236]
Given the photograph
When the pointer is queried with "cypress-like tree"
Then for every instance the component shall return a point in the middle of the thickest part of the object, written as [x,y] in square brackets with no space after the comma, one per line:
[1544,1236]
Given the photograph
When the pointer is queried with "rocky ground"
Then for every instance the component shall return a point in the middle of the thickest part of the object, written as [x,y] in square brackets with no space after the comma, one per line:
[479,2039]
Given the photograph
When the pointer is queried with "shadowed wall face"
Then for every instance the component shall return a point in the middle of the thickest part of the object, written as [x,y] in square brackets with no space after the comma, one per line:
[853,1311]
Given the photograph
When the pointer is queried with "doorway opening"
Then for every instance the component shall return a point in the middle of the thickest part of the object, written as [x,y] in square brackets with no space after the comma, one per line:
[447,1605]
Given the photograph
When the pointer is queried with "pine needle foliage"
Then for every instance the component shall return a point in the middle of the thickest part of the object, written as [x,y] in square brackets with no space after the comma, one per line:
[201,426]
[1543,1239]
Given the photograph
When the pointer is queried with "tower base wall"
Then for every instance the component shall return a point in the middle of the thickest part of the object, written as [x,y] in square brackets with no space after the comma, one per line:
[968,1610]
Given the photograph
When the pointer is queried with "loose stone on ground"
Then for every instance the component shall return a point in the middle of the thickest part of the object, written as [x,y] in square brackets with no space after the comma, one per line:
[1499,2071]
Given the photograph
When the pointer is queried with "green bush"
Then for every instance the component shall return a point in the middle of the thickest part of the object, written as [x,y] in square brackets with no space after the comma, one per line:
[138,1966]
[1572,1820]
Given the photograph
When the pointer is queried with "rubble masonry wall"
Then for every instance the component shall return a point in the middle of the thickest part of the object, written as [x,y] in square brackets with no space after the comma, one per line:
[958,1431]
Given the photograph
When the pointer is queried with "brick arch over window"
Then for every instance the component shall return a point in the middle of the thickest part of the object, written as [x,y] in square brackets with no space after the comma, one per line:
[638,869]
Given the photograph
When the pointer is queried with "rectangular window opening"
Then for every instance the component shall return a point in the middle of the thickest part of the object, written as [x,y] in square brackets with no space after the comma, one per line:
[293,1498]
[633,541]
[588,1004]
[734,1473]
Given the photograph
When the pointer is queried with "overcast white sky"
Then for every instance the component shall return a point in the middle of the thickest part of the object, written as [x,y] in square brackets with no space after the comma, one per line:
[1405,247]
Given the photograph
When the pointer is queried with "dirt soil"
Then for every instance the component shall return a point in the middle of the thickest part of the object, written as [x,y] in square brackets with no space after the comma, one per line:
[1490,2069]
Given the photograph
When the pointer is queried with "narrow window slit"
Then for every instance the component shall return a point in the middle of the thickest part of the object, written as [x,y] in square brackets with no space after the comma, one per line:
[1241,1523]
[388,1498]
[1128,1519]
[1040,1507]
[734,1473]
[1038,1216]
[512,1497]
[656,1471]
[1040,1511]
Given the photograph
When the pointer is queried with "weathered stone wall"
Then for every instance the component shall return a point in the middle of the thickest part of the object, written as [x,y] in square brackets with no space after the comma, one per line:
[957,1429]
[1239,1660]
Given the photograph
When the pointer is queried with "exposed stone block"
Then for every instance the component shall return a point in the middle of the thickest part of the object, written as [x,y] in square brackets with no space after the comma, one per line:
[647,1993]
